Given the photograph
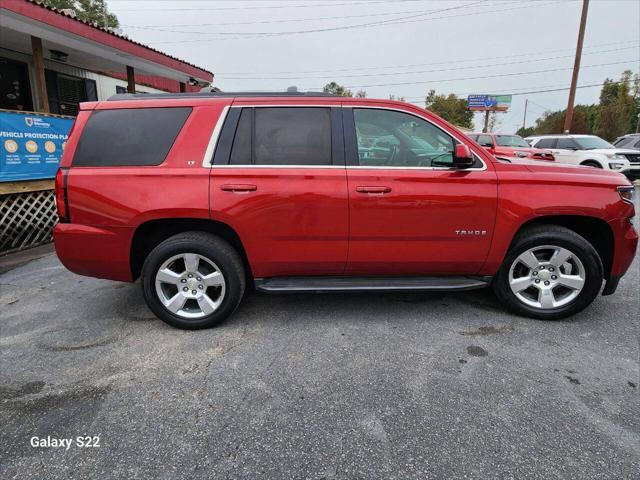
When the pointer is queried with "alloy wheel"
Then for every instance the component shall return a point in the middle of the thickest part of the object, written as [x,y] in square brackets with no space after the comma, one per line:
[547,277]
[190,285]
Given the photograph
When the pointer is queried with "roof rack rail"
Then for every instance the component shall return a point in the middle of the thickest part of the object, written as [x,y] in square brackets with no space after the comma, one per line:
[150,96]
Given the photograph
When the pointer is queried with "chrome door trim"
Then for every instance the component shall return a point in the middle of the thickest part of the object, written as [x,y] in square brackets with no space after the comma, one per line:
[213,140]
[279,166]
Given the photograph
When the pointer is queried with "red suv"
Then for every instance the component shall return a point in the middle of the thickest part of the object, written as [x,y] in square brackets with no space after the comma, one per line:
[510,146]
[202,195]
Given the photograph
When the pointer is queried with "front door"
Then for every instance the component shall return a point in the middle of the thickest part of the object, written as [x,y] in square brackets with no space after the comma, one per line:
[566,151]
[281,185]
[411,212]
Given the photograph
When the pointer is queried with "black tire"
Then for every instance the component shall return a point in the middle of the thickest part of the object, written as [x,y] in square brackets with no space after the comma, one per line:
[215,249]
[591,163]
[541,235]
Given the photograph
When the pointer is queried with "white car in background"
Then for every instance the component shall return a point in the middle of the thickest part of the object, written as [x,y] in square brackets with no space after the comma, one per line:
[590,151]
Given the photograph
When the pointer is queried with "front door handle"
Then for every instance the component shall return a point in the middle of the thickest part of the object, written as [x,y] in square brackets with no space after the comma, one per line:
[238,188]
[373,190]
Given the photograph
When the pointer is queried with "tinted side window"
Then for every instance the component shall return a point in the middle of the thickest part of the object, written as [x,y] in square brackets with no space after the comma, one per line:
[141,136]
[546,143]
[292,136]
[390,138]
[241,150]
[567,144]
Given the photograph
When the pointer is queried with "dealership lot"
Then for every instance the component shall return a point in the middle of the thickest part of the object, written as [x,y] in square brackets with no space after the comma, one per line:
[402,385]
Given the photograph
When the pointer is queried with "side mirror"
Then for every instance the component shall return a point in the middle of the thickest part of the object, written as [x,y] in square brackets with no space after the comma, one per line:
[463,157]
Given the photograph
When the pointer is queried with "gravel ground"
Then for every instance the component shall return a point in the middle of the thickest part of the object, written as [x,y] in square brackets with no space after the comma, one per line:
[336,386]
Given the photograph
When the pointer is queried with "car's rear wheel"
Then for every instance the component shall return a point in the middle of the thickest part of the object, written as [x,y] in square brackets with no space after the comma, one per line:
[193,280]
[549,273]
[591,163]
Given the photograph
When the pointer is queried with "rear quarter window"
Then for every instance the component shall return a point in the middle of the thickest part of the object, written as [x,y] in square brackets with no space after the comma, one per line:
[129,137]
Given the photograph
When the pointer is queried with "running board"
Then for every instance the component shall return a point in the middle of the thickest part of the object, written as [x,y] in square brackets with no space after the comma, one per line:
[366,284]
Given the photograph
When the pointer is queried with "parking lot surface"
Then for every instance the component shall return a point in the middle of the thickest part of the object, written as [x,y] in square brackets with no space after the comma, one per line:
[336,386]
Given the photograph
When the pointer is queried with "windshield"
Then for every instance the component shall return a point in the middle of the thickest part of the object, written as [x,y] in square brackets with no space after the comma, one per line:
[591,143]
[511,141]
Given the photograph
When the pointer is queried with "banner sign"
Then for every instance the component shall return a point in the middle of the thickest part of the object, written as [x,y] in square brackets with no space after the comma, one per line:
[31,145]
[500,103]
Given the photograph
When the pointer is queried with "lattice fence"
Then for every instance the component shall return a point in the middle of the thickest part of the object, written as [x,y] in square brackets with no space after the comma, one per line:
[26,220]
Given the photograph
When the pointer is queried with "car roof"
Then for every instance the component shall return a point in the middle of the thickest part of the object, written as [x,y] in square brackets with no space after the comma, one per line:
[493,133]
[163,96]
[562,135]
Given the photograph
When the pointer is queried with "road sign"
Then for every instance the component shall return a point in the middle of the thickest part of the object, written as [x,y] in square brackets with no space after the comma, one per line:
[499,103]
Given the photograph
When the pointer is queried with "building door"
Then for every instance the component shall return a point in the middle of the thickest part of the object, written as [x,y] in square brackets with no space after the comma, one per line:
[15,92]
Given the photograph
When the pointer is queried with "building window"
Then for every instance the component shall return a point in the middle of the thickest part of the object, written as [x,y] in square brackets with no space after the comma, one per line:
[65,92]
[15,93]
[120,89]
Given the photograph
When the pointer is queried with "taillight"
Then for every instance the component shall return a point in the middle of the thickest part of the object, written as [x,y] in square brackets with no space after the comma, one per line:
[62,202]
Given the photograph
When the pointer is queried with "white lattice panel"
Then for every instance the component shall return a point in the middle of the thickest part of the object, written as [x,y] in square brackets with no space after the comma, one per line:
[26,220]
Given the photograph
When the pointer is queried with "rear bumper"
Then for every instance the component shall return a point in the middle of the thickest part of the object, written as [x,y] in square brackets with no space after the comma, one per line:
[95,252]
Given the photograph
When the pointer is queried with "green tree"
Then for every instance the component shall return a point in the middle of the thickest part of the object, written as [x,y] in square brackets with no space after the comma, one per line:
[619,106]
[337,89]
[526,131]
[92,11]
[616,113]
[451,108]
[584,118]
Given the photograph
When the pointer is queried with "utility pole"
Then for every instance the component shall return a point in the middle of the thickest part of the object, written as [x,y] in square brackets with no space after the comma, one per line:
[524,120]
[486,121]
[576,67]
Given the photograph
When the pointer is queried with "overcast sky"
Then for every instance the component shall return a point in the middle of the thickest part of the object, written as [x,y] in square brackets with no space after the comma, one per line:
[401,47]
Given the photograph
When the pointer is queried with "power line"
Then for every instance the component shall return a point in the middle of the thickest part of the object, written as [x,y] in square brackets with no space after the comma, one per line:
[517,55]
[377,74]
[528,92]
[248,36]
[480,77]
[392,21]
[162,27]
[255,7]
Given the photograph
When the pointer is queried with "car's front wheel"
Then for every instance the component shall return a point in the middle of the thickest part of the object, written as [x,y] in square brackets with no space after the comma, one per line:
[193,280]
[549,273]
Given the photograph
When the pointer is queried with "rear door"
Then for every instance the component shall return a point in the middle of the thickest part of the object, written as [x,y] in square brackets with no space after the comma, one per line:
[278,178]
[411,212]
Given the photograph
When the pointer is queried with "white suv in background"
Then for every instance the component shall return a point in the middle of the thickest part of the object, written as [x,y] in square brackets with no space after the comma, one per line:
[590,151]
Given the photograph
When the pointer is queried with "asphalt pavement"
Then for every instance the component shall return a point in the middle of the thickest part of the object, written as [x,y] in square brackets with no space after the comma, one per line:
[332,386]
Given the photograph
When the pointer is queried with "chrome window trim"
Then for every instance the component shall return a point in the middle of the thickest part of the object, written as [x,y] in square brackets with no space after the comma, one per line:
[208,155]
[278,166]
[213,140]
[306,105]
[450,169]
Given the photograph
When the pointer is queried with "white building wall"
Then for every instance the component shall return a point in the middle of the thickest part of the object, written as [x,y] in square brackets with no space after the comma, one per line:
[105,85]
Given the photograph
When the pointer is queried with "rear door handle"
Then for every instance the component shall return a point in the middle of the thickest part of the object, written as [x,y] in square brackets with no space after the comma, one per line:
[238,188]
[374,189]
